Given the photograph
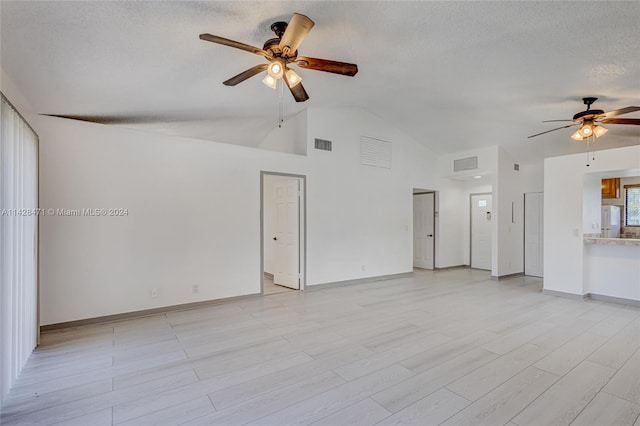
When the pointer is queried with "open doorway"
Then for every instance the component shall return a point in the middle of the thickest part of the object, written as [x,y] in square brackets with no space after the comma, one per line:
[423,229]
[282,225]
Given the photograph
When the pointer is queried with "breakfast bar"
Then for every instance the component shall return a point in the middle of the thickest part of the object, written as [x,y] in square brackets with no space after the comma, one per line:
[612,269]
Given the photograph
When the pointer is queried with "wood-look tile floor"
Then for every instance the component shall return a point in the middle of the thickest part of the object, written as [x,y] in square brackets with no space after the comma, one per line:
[271,288]
[449,347]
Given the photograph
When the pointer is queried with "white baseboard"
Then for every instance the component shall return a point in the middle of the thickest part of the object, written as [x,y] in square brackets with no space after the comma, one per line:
[357,281]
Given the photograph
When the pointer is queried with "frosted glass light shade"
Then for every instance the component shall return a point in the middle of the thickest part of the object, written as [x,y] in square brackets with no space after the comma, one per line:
[293,79]
[270,81]
[599,131]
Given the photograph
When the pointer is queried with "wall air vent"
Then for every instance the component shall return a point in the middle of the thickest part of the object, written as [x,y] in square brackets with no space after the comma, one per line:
[322,144]
[375,152]
[463,164]
[516,167]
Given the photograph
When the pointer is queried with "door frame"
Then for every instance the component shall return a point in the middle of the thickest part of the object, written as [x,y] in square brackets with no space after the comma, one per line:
[471,195]
[302,230]
[422,192]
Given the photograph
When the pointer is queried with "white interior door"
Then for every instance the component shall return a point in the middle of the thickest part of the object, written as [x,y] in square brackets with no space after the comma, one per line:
[287,234]
[423,208]
[533,231]
[481,231]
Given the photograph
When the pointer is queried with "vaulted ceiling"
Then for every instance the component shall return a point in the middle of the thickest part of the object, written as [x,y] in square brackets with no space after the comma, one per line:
[453,75]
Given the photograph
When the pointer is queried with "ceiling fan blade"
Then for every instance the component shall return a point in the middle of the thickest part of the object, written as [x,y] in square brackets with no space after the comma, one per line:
[99,119]
[236,44]
[635,121]
[553,121]
[245,75]
[327,65]
[620,111]
[297,29]
[298,92]
[553,130]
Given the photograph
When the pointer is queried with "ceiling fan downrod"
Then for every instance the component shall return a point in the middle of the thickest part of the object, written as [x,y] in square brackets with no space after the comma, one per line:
[588,101]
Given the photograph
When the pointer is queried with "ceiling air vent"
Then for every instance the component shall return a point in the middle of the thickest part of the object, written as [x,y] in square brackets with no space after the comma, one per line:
[463,164]
[323,144]
[375,152]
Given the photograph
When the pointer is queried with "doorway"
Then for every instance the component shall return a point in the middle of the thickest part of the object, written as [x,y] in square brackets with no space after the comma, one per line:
[282,225]
[481,224]
[423,230]
[533,233]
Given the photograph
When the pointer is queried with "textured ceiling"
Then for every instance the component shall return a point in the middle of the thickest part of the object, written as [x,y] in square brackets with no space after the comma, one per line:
[454,75]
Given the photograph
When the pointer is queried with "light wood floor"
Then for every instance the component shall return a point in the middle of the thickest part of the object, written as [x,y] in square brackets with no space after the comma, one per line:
[451,347]
[271,288]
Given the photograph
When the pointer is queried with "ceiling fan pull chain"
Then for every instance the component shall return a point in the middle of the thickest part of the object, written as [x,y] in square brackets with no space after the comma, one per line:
[588,153]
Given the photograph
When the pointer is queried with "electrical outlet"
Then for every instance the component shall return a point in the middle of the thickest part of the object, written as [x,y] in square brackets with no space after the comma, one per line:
[196,289]
[154,292]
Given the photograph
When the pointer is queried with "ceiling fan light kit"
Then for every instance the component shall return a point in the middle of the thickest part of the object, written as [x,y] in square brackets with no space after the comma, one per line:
[589,121]
[281,52]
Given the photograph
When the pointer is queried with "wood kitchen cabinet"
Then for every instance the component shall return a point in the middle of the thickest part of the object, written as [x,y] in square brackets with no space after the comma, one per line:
[610,188]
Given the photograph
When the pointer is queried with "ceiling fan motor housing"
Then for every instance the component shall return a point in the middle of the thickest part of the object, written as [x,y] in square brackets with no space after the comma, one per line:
[279,28]
[588,114]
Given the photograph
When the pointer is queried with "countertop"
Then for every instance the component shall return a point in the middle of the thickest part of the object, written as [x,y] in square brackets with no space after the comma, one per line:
[631,242]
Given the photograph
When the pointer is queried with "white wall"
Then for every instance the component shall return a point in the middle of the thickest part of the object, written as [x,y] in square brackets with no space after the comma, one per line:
[450,220]
[193,219]
[509,207]
[532,177]
[360,218]
[291,137]
[193,213]
[571,190]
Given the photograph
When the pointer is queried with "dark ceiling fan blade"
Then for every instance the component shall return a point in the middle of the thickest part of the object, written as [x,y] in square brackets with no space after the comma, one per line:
[236,44]
[635,121]
[327,65]
[625,110]
[554,121]
[298,92]
[297,29]
[553,130]
[100,119]
[245,75]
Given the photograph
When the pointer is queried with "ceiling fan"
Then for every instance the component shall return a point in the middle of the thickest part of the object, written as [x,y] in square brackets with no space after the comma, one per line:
[589,121]
[281,52]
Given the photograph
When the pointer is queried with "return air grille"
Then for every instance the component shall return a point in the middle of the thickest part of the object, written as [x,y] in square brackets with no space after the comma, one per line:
[323,144]
[463,164]
[375,152]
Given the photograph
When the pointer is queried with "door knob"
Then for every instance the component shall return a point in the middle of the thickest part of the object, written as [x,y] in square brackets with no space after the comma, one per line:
[430,235]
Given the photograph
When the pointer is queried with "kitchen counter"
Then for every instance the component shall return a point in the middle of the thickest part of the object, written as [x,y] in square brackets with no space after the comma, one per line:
[612,241]
[612,269]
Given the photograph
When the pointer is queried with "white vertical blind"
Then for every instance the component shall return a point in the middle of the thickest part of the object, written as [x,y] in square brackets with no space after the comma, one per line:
[18,244]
